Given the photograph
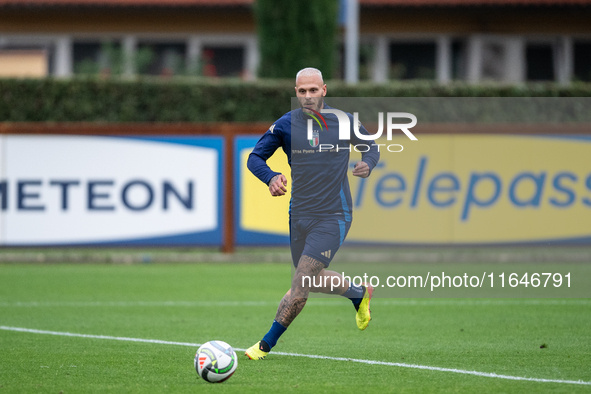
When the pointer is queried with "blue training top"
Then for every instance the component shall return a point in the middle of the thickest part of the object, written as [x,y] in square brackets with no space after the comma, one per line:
[320,187]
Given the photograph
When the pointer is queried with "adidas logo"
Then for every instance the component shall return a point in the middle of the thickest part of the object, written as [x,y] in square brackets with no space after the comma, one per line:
[326,254]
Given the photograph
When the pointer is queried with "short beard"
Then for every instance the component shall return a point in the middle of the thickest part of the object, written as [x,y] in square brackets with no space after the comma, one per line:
[317,108]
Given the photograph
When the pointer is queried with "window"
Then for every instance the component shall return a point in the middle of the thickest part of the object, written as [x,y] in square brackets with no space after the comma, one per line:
[86,57]
[222,61]
[19,63]
[539,61]
[366,58]
[412,60]
[459,59]
[97,58]
[35,53]
[582,54]
[163,59]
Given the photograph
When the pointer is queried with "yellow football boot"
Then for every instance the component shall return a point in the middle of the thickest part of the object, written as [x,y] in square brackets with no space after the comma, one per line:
[363,313]
[255,353]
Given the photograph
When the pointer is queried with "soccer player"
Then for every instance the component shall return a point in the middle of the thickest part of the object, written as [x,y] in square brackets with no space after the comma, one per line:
[320,206]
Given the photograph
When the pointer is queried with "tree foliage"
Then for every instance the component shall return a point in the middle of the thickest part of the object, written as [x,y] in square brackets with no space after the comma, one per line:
[296,34]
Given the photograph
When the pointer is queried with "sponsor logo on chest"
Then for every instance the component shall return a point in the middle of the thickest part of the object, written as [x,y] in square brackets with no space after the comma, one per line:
[315,140]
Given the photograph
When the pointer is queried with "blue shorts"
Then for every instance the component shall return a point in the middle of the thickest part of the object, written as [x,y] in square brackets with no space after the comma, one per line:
[316,238]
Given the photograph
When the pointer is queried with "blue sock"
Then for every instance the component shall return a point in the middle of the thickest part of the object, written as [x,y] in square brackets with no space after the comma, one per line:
[355,294]
[273,335]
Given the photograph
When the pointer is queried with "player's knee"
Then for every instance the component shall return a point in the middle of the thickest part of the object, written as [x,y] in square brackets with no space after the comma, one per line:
[302,282]
[307,276]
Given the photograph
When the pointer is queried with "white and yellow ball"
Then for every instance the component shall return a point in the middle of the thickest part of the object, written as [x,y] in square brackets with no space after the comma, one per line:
[215,361]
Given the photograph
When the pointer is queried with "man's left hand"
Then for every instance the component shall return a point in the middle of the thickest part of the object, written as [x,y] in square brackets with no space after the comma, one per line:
[361,169]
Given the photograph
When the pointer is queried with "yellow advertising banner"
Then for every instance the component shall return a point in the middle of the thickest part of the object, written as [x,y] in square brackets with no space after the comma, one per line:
[454,189]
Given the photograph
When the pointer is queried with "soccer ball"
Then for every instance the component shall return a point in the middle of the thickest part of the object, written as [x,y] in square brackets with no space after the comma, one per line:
[215,361]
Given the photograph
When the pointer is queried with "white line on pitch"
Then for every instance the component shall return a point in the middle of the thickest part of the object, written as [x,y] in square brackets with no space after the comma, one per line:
[370,362]
[376,301]
[134,303]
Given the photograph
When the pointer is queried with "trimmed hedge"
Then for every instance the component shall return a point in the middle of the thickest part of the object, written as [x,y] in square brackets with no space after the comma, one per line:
[198,100]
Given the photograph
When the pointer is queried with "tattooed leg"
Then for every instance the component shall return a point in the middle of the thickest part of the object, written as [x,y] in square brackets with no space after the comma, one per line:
[295,299]
[335,283]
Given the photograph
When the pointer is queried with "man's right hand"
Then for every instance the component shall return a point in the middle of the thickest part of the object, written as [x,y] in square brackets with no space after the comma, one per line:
[277,185]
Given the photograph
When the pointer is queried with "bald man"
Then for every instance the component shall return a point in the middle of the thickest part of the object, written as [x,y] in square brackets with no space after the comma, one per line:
[320,206]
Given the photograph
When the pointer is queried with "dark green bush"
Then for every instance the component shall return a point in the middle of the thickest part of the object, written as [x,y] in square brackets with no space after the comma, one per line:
[296,34]
[192,100]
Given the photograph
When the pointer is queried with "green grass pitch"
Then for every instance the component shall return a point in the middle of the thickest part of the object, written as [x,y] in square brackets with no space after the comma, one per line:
[236,303]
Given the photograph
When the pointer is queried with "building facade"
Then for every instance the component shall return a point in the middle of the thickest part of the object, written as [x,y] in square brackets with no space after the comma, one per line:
[507,41]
